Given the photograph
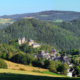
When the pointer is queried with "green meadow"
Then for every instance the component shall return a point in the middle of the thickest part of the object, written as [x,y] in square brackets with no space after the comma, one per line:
[8,76]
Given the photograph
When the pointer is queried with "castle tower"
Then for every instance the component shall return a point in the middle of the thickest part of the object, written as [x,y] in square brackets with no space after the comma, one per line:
[19,41]
[23,40]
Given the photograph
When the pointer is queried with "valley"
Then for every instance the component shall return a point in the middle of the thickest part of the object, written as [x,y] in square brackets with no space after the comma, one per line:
[40,47]
[39,40]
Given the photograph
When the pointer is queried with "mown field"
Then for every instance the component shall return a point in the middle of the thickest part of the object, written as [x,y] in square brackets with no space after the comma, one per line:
[4,21]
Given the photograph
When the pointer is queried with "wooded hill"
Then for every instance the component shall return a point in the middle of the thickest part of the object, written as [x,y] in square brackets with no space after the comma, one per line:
[60,36]
[47,15]
[2,26]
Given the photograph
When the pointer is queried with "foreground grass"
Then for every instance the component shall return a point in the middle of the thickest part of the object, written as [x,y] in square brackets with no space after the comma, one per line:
[55,74]
[12,67]
[14,70]
[8,76]
[28,73]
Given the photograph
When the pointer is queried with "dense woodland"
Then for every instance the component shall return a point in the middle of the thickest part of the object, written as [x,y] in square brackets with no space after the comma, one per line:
[2,26]
[60,35]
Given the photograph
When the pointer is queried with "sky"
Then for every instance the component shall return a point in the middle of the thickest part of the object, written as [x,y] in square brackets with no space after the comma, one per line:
[10,7]
[67,5]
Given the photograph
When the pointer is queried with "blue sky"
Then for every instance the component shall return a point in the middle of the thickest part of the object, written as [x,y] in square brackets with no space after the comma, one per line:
[67,5]
[9,7]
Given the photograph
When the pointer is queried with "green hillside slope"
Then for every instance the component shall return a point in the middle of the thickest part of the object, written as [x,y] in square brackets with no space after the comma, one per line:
[2,26]
[41,31]
[73,26]
[5,22]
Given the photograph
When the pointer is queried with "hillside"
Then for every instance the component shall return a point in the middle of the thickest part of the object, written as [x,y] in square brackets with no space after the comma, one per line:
[5,22]
[25,74]
[73,26]
[57,16]
[41,31]
[2,26]
[15,66]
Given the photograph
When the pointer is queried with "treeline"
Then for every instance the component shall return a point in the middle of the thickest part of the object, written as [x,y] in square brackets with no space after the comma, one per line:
[41,31]
[2,26]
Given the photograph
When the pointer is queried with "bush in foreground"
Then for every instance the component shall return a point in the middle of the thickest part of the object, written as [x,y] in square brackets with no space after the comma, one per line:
[3,64]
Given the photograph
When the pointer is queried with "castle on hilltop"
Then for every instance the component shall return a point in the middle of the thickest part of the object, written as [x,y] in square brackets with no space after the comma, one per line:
[22,40]
[30,42]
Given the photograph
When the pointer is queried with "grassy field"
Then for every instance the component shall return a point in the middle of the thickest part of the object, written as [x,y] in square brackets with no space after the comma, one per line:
[20,67]
[30,73]
[10,76]
[4,21]
[55,74]
[14,73]
[25,69]
[58,21]
[15,66]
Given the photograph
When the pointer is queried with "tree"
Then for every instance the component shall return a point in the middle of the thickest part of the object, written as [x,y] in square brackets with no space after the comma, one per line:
[65,68]
[4,56]
[63,52]
[46,63]
[52,66]
[77,70]
[59,67]
[74,52]
[9,55]
[29,59]
[3,64]
[20,58]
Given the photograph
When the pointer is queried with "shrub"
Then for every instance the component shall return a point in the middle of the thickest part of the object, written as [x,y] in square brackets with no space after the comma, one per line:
[22,69]
[37,71]
[3,64]
[52,66]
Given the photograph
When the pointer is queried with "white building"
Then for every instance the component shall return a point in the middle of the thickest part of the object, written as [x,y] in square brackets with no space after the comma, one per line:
[70,72]
[36,45]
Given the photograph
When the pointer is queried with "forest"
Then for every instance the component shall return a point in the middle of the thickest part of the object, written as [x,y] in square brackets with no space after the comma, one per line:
[60,35]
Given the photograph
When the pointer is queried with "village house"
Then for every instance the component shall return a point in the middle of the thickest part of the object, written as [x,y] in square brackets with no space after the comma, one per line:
[53,54]
[64,59]
[42,54]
